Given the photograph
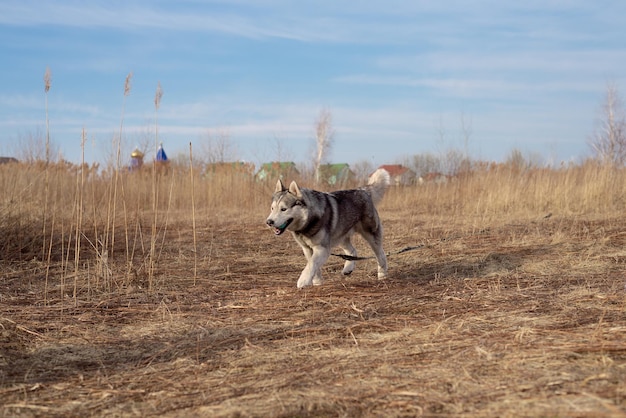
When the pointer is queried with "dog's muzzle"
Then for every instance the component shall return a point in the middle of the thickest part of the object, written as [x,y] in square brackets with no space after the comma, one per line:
[278,229]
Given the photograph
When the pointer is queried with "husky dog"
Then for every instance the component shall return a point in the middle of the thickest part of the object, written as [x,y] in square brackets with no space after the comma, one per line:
[320,221]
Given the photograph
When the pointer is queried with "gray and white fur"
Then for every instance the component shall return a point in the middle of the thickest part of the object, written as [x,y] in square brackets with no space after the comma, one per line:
[320,221]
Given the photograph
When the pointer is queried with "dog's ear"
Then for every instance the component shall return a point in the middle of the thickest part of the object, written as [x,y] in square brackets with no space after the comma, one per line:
[280,187]
[295,190]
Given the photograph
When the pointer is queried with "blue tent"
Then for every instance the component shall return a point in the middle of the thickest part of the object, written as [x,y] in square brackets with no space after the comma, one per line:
[160,155]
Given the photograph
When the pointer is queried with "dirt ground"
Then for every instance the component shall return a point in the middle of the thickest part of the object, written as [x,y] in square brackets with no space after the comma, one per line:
[486,318]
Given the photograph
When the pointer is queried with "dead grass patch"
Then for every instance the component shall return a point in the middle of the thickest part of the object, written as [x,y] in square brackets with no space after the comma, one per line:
[499,315]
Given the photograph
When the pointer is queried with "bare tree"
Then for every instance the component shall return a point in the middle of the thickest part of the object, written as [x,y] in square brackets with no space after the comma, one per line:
[47,78]
[516,160]
[608,142]
[35,146]
[281,152]
[466,131]
[143,139]
[362,169]
[454,162]
[426,163]
[324,134]
[216,147]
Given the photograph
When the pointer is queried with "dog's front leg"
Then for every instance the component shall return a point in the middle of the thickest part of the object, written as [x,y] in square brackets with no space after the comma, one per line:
[312,273]
[305,278]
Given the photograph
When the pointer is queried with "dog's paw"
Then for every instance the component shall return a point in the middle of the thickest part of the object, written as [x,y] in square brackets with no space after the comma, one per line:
[348,268]
[382,271]
[305,278]
[317,280]
[304,283]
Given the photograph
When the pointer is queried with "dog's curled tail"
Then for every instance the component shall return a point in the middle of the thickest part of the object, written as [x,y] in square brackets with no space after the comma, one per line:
[377,184]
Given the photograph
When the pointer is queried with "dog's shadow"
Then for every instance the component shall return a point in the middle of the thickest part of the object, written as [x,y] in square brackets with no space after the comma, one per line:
[413,268]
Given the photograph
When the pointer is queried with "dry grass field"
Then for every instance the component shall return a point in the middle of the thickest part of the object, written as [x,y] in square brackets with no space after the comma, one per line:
[112,303]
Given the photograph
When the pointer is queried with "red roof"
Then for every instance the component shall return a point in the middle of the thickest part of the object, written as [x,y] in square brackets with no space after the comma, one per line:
[394,169]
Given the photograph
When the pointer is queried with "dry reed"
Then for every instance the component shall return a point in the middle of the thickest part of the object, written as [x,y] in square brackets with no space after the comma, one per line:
[47,78]
[152,256]
[193,217]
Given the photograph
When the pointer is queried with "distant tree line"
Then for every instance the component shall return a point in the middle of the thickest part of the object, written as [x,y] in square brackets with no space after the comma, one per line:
[607,143]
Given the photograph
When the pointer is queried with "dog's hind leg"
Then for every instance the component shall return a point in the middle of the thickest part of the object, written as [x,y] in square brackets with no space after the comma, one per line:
[348,249]
[375,240]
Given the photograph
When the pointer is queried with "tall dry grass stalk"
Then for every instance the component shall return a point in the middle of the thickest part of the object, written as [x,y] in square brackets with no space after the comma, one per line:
[48,257]
[152,257]
[47,80]
[127,86]
[193,217]
[80,187]
[118,148]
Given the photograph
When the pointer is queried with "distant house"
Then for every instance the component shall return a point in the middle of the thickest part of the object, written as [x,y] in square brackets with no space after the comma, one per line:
[335,174]
[277,170]
[434,177]
[399,174]
[231,168]
[6,160]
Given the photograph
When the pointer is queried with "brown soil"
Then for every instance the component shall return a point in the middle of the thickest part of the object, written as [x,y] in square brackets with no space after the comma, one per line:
[508,318]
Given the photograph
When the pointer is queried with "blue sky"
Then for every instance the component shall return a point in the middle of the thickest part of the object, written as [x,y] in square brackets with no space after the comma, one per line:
[399,77]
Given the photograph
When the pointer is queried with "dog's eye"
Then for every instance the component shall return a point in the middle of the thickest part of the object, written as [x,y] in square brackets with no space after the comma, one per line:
[283,209]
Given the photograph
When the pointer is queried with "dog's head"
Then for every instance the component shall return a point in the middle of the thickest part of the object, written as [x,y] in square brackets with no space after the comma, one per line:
[288,208]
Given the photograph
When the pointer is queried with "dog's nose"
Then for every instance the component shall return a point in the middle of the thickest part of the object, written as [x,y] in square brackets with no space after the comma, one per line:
[270,222]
